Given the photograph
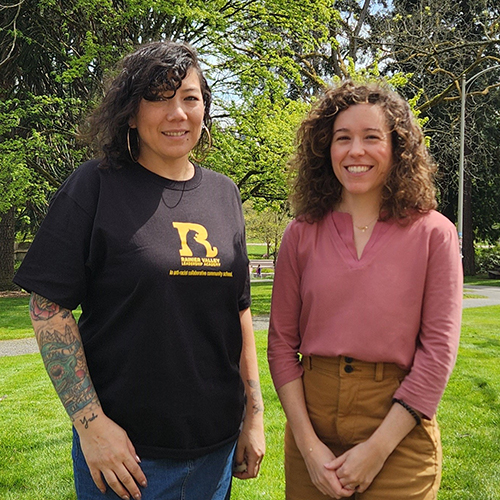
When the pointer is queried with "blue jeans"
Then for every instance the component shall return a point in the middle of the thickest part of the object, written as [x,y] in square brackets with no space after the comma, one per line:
[204,478]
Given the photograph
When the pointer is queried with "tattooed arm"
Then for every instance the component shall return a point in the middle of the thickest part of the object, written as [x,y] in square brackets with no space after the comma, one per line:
[251,443]
[106,446]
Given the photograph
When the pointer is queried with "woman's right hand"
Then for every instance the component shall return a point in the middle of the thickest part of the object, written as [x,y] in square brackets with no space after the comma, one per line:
[325,480]
[110,454]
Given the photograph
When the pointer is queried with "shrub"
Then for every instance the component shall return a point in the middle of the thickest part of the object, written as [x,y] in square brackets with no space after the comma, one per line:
[487,258]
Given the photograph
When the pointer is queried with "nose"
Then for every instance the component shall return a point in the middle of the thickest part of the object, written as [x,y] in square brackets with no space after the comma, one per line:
[357,147]
[175,111]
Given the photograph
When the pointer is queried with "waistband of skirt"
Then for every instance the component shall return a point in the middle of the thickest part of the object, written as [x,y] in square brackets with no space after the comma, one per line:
[347,366]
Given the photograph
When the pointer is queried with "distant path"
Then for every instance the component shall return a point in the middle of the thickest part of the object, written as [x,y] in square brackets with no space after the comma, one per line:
[18,347]
[491,292]
[29,345]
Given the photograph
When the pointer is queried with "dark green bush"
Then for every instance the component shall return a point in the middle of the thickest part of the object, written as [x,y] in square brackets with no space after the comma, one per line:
[487,258]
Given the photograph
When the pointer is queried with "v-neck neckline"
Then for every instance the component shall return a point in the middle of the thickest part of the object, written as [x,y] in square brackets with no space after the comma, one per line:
[342,233]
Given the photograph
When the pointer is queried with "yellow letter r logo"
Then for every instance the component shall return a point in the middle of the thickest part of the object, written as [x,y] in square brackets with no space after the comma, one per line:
[200,237]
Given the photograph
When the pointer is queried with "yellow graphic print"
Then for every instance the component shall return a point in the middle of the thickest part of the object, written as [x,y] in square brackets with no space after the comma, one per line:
[186,253]
[200,237]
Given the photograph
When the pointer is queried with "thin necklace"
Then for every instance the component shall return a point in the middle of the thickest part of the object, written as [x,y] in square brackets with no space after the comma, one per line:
[180,197]
[365,228]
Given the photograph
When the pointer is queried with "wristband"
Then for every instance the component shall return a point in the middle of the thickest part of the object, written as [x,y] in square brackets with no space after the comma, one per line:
[409,409]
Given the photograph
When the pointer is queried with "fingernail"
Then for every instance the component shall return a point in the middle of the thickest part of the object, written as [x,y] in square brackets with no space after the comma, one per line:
[138,496]
[137,459]
[126,497]
[144,483]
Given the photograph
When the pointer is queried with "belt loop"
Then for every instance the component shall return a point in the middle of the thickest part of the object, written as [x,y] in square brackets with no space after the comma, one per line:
[307,362]
[379,372]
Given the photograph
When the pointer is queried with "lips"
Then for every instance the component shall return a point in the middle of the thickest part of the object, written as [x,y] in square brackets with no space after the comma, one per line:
[358,169]
[175,134]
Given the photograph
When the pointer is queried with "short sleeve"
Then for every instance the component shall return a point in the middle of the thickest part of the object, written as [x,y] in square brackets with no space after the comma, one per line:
[245,299]
[55,266]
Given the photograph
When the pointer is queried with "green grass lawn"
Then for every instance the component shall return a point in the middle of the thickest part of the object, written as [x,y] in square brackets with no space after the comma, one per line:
[261,298]
[470,412]
[35,432]
[480,279]
[468,295]
[256,251]
[14,318]
[15,322]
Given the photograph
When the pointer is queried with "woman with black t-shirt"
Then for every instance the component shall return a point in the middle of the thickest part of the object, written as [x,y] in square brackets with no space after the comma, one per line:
[152,246]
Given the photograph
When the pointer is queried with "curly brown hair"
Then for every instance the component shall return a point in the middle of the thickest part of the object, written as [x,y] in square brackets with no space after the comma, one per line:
[144,74]
[409,189]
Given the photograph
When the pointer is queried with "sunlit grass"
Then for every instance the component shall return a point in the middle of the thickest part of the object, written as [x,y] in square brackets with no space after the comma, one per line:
[15,321]
[481,279]
[35,432]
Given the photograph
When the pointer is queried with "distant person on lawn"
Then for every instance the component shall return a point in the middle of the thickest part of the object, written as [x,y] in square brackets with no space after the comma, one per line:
[366,305]
[160,375]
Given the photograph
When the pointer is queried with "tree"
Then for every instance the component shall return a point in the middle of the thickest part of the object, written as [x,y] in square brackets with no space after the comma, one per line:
[253,147]
[437,44]
[266,60]
[57,54]
[267,225]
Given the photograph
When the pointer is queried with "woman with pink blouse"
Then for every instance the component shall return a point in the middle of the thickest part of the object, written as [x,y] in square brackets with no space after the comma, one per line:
[366,307]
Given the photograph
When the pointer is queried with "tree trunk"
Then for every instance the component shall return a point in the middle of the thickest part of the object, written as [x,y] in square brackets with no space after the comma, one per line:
[469,261]
[7,240]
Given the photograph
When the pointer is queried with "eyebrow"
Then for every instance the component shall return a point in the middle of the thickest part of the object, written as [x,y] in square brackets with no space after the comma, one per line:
[368,129]
[193,88]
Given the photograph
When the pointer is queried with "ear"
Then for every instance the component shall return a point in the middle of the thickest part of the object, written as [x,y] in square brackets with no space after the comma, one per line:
[132,122]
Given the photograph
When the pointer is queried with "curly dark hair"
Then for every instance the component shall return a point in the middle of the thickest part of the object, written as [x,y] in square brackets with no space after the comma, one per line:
[144,74]
[409,189]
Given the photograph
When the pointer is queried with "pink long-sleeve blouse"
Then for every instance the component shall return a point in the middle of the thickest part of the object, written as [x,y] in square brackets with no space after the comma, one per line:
[401,302]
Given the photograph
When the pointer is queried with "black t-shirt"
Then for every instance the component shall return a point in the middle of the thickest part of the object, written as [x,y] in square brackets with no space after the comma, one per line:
[161,272]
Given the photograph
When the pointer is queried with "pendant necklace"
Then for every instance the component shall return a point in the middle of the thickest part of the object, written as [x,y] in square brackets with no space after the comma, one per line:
[365,228]
[180,197]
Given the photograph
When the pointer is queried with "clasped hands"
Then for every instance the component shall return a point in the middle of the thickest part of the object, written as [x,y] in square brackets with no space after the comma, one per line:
[340,477]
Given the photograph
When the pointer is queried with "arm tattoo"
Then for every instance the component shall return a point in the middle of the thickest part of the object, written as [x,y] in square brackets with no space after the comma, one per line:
[85,421]
[256,396]
[42,309]
[64,359]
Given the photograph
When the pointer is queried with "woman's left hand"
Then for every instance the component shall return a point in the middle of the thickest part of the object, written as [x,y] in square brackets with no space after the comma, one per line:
[358,467]
[250,449]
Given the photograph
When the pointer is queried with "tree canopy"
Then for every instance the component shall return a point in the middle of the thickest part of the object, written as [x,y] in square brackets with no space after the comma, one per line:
[266,60]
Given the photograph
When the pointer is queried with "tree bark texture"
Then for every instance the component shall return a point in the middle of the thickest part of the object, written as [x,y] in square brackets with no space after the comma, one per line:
[7,240]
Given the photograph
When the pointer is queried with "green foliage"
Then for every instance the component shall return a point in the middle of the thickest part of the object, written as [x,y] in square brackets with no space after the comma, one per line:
[266,224]
[487,258]
[38,151]
[438,43]
[266,60]
[254,143]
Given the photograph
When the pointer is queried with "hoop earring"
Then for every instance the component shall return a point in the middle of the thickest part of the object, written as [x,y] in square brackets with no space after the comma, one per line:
[205,128]
[129,148]
[204,153]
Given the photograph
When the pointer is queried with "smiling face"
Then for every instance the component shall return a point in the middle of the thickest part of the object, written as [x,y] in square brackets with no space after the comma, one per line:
[169,128]
[361,150]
